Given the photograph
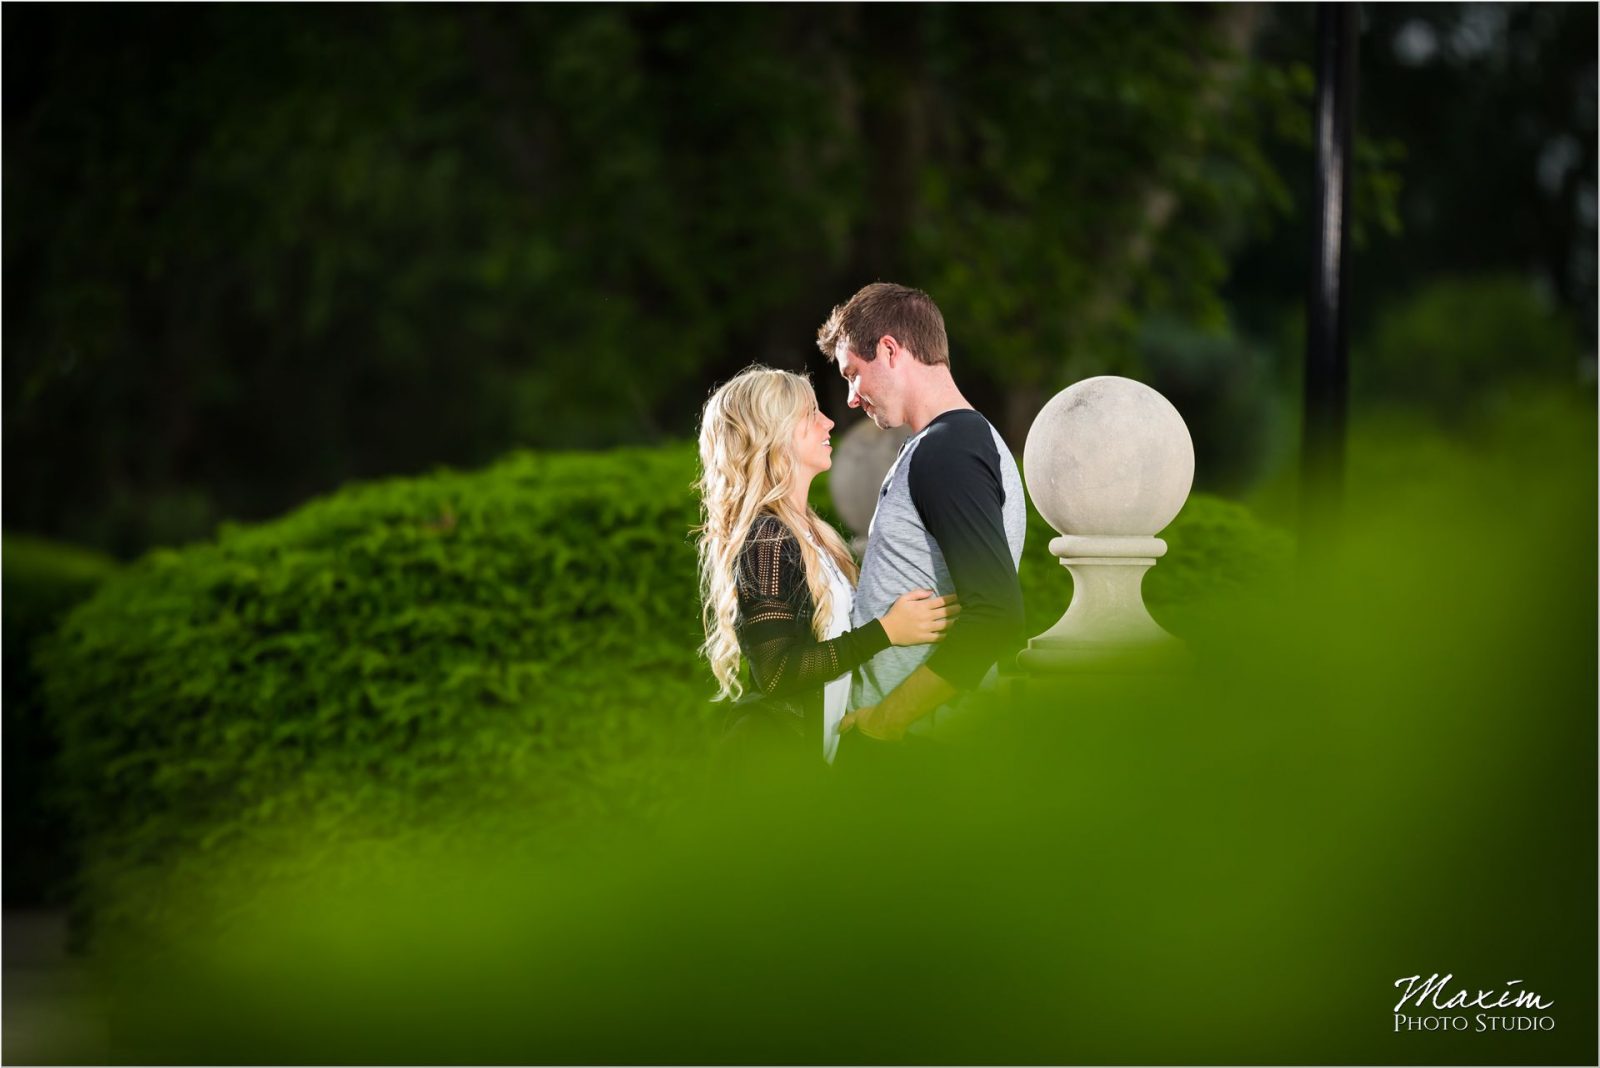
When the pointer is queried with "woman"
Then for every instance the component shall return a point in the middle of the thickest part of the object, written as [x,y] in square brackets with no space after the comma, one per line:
[776,582]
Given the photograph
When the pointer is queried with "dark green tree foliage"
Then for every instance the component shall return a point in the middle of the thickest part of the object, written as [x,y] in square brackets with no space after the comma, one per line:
[253,252]
[1496,104]
[525,632]
[1485,114]
[266,252]
[1087,180]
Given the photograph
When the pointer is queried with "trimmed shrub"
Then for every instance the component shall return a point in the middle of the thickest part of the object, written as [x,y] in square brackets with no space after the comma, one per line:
[1455,346]
[529,628]
[42,580]
[1218,552]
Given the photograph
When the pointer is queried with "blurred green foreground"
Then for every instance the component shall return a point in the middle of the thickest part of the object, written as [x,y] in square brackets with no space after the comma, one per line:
[1384,770]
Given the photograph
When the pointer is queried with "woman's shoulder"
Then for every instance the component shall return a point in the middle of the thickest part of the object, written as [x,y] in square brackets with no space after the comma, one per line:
[768,528]
[770,560]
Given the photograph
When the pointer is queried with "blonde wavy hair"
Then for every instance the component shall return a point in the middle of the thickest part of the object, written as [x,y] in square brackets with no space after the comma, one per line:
[747,467]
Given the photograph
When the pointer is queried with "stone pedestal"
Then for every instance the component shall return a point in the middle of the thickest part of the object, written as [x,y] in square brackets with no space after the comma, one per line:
[1109,463]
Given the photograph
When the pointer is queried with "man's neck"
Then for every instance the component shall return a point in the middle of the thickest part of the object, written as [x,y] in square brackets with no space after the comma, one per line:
[932,395]
[933,402]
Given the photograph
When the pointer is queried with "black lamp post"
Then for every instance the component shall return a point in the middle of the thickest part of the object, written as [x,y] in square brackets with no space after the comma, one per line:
[1327,372]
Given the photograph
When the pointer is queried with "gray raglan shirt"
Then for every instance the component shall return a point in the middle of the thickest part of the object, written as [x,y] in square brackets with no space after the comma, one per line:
[951,517]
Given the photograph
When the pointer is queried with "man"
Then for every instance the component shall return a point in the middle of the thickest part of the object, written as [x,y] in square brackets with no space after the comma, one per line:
[950,515]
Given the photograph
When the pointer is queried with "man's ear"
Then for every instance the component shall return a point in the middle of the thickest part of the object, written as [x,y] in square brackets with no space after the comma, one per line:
[891,348]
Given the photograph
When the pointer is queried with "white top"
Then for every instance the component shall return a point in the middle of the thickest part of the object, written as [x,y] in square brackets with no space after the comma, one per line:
[835,694]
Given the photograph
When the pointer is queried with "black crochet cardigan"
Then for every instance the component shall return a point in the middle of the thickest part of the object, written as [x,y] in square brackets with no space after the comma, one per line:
[788,666]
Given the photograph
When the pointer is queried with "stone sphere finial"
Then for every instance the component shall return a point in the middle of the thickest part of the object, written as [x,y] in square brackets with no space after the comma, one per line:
[1109,462]
[1109,456]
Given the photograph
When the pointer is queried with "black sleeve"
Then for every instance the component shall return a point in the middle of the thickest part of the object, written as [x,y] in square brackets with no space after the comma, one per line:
[956,486]
[784,655]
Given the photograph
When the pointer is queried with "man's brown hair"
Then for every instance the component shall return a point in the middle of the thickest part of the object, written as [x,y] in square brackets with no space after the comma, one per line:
[909,315]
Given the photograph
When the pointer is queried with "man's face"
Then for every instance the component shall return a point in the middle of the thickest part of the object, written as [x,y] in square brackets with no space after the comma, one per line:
[872,387]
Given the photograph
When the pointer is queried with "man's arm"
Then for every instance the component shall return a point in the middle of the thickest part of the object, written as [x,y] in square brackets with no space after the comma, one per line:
[920,693]
[956,485]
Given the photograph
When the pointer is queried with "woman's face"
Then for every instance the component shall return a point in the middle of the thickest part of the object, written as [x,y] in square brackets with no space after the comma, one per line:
[813,452]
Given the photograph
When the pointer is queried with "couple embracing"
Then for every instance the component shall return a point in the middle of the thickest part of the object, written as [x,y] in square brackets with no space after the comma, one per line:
[894,646]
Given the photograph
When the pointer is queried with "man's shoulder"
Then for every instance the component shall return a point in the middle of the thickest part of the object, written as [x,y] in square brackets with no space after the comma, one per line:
[961,432]
[959,421]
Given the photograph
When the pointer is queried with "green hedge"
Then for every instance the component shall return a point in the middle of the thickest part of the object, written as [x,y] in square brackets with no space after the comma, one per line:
[42,580]
[531,623]
[527,631]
